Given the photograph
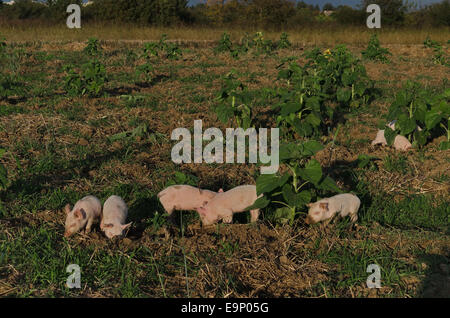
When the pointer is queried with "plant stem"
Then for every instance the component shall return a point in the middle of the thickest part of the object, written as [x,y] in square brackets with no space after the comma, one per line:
[296,190]
[282,203]
[447,129]
[294,177]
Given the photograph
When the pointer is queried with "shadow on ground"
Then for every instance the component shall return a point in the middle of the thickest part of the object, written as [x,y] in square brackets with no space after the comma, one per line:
[437,277]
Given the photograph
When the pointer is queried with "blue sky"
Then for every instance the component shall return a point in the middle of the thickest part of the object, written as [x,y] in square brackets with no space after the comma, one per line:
[353,3]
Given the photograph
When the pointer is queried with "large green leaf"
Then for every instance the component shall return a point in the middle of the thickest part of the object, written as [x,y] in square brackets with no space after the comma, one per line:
[343,95]
[295,199]
[302,128]
[447,93]
[290,108]
[303,198]
[390,135]
[312,172]
[329,184]
[432,118]
[313,103]
[284,74]
[283,179]
[224,113]
[401,100]
[310,148]
[298,151]
[420,137]
[444,107]
[420,111]
[313,120]
[406,124]
[266,183]
[284,215]
[348,78]
[288,151]
[360,88]
[260,203]
[394,112]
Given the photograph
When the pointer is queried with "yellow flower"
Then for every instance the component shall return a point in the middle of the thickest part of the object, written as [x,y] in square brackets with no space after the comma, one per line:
[327,53]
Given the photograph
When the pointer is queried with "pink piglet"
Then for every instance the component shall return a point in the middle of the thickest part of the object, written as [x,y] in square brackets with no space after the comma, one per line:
[225,204]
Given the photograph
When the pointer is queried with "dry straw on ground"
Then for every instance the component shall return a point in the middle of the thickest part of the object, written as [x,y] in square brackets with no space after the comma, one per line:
[329,35]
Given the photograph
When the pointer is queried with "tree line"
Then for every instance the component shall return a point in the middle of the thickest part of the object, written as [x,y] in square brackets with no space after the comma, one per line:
[269,14]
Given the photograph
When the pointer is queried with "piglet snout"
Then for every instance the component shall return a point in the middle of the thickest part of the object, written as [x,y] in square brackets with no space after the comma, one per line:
[309,220]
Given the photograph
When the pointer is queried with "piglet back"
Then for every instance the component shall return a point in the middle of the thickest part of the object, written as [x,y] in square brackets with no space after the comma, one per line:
[115,204]
[90,203]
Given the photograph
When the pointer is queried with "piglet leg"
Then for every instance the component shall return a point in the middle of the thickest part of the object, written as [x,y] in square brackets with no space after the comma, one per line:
[254,214]
[228,219]
[89,225]
[379,139]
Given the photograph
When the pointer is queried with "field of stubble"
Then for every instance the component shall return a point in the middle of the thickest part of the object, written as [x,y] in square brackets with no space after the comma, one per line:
[59,148]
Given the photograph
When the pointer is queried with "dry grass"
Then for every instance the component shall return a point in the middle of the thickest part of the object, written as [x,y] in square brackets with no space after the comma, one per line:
[329,35]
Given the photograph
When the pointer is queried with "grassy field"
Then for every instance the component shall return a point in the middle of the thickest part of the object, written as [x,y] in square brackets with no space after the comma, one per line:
[323,35]
[61,148]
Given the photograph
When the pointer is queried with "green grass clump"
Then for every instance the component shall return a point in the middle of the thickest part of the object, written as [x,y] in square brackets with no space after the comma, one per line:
[412,212]
[375,52]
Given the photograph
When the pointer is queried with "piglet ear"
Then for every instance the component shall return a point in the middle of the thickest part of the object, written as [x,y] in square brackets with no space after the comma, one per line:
[67,208]
[77,214]
[125,226]
[220,190]
[80,214]
[324,206]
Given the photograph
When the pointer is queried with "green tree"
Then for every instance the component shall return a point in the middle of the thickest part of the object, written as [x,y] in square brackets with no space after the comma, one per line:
[25,9]
[348,15]
[328,6]
[159,12]
[439,13]
[271,13]
[56,9]
[392,11]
